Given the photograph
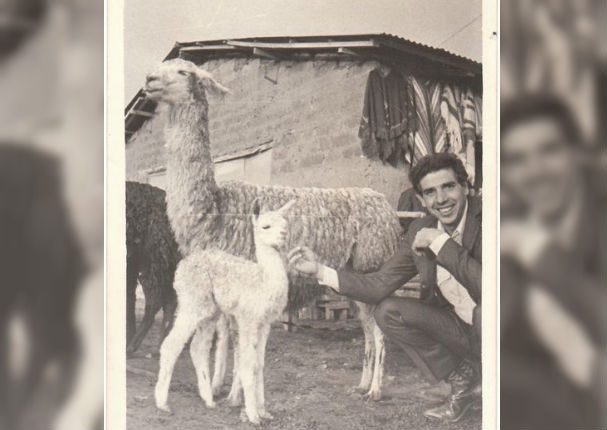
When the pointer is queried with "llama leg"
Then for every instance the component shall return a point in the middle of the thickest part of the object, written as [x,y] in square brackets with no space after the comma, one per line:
[247,343]
[200,352]
[131,287]
[365,319]
[173,344]
[378,369]
[168,311]
[221,354]
[261,358]
[234,397]
[168,316]
[152,307]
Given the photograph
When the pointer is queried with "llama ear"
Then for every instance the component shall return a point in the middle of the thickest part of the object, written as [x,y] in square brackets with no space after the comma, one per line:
[286,206]
[216,88]
[209,83]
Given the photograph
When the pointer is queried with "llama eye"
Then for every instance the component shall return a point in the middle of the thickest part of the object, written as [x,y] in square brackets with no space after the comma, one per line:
[184,73]
[265,227]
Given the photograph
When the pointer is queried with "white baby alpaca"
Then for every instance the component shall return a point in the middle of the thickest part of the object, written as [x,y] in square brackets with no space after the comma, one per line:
[210,283]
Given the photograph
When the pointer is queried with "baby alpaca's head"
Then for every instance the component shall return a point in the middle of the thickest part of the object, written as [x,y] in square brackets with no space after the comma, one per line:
[180,81]
[270,227]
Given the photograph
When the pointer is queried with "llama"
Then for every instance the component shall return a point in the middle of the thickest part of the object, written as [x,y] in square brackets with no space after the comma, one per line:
[152,257]
[210,283]
[345,226]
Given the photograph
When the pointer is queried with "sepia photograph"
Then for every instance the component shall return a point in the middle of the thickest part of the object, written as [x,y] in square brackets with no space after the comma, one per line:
[299,237]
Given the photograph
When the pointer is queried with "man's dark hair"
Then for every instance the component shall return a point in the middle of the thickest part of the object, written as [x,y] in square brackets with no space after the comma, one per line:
[435,162]
[539,106]
[22,18]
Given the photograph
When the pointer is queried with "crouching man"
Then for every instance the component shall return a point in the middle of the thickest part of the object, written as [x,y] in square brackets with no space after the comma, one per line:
[441,331]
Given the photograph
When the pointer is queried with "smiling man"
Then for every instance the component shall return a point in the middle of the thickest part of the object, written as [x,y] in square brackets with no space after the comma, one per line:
[441,330]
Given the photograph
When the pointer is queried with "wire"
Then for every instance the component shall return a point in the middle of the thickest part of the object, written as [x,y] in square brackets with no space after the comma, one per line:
[459,30]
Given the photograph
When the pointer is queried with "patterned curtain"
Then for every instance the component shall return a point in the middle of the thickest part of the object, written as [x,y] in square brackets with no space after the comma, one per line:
[430,136]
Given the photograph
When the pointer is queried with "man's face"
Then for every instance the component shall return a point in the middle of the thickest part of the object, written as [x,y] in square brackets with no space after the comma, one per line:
[538,166]
[443,196]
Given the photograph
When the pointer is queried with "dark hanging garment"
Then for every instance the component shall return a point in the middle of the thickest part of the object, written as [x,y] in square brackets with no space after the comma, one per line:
[388,119]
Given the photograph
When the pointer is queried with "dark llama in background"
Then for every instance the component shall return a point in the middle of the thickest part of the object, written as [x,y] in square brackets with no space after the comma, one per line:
[152,257]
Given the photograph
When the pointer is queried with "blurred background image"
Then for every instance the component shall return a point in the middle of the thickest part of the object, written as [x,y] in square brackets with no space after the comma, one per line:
[51,214]
[553,218]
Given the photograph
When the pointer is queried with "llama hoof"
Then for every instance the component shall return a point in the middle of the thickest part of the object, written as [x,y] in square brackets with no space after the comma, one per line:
[254,419]
[372,395]
[265,415]
[211,404]
[165,408]
[216,390]
[233,401]
[358,389]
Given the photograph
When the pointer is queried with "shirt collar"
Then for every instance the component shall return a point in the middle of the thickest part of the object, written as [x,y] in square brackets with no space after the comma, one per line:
[462,223]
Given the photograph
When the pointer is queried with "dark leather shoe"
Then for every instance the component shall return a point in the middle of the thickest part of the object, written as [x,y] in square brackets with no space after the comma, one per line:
[465,389]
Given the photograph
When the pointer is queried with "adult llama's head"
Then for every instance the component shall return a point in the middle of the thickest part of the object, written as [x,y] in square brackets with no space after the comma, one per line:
[180,81]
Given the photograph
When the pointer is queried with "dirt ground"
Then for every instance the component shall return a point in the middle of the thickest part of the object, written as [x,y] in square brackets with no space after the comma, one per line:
[309,376]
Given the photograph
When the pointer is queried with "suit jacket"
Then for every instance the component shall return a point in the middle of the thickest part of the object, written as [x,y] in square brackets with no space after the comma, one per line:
[575,278]
[462,261]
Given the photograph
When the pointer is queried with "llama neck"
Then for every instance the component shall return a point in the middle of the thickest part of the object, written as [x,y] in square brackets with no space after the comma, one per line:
[191,186]
[272,264]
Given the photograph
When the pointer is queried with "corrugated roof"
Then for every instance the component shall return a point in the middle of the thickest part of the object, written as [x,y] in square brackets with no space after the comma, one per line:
[382,47]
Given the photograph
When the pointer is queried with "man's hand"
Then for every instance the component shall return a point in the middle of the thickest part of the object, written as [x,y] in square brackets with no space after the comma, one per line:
[423,239]
[524,241]
[304,261]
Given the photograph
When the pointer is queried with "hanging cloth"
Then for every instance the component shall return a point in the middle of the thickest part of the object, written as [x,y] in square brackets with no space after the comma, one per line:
[469,115]
[469,132]
[478,109]
[459,111]
[430,134]
[450,103]
[388,118]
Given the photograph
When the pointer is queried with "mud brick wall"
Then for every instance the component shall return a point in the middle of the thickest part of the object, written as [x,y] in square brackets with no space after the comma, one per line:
[310,110]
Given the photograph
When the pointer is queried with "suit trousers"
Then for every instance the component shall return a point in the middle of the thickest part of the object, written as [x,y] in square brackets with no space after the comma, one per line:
[435,338]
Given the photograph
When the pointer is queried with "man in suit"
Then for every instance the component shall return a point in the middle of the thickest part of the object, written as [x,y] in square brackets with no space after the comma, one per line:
[553,252]
[441,332]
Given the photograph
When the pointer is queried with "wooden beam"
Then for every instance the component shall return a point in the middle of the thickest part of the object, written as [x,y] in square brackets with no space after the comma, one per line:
[207,48]
[141,113]
[410,214]
[347,51]
[263,53]
[246,152]
[305,45]
[138,97]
